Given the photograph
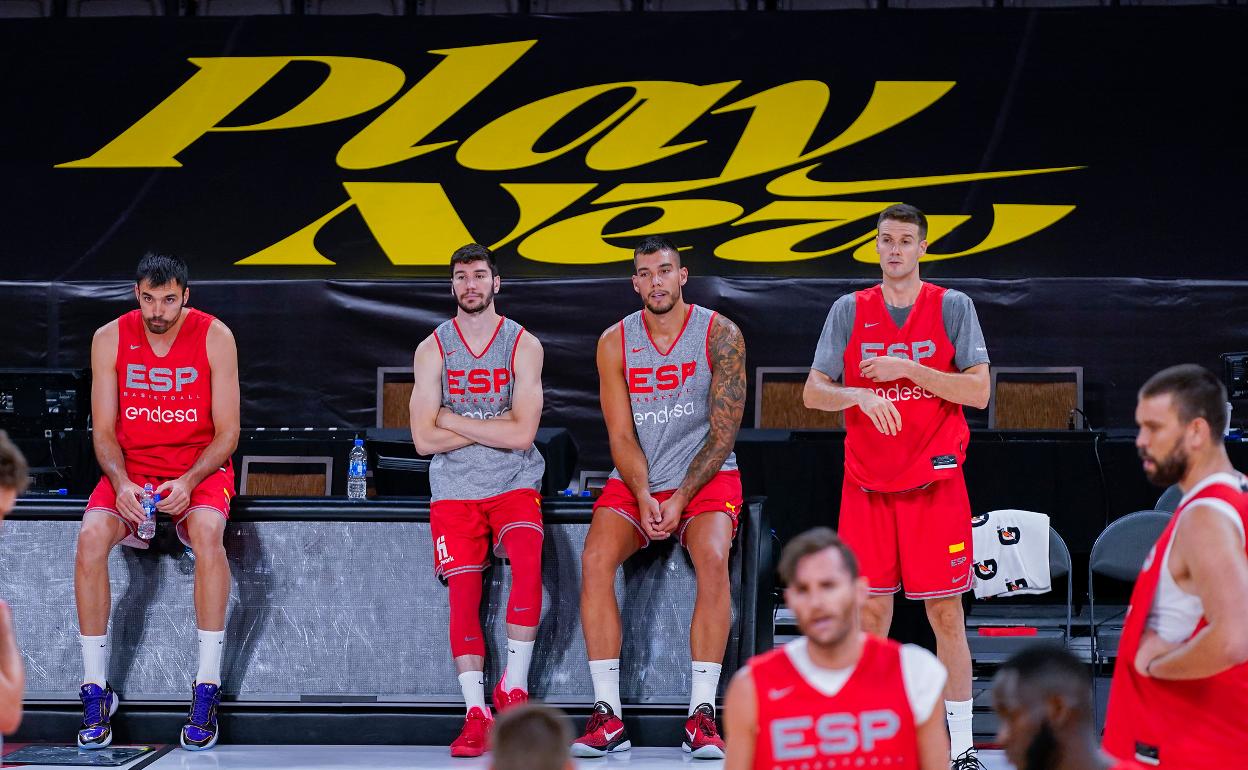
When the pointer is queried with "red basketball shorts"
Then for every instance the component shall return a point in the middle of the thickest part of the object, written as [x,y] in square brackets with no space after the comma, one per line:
[213,493]
[920,539]
[462,529]
[722,494]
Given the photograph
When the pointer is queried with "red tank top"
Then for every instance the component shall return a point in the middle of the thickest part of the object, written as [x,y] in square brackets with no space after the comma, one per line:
[931,444]
[1198,723]
[164,415]
[868,723]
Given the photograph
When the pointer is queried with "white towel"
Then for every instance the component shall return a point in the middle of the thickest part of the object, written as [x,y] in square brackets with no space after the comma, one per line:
[1011,553]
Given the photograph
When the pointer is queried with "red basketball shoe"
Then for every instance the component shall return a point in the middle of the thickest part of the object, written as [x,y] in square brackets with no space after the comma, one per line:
[702,739]
[505,699]
[475,737]
[604,734]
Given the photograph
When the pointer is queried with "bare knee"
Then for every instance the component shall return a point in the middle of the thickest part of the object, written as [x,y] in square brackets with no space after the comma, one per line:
[710,564]
[206,539]
[946,616]
[95,539]
[599,562]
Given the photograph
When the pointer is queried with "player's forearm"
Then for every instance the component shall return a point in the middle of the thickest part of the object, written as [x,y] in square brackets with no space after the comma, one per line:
[432,440]
[110,457]
[631,463]
[830,398]
[1212,651]
[958,387]
[213,457]
[502,432]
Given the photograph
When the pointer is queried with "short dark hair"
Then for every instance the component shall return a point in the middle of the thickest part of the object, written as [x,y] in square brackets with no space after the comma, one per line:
[473,252]
[14,473]
[811,542]
[904,212]
[531,737]
[1046,670]
[1196,391]
[160,269]
[653,244]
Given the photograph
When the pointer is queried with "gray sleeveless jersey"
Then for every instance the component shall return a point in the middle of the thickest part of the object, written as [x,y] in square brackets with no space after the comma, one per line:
[480,387]
[670,395]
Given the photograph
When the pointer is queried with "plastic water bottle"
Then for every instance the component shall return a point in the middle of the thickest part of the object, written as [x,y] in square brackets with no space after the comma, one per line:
[357,472]
[147,530]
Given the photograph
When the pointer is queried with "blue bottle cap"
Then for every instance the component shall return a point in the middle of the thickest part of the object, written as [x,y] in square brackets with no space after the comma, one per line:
[585,493]
[359,442]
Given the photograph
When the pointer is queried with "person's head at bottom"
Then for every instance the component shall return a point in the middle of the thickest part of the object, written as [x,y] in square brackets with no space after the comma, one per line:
[1043,700]
[531,737]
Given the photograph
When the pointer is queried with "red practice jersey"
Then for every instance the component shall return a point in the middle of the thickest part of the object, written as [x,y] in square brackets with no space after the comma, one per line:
[931,444]
[164,415]
[868,723]
[1196,723]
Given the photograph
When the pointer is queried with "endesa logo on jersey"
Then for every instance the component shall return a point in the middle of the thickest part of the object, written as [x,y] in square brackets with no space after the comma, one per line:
[461,382]
[162,416]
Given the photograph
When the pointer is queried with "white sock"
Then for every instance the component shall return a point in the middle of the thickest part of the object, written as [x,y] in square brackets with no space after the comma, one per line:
[472,684]
[211,643]
[958,713]
[606,676]
[94,659]
[517,673]
[705,683]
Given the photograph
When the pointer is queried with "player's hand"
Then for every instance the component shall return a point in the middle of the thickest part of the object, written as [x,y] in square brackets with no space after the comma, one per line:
[885,368]
[128,504]
[669,513]
[651,517]
[175,496]
[1152,646]
[883,413]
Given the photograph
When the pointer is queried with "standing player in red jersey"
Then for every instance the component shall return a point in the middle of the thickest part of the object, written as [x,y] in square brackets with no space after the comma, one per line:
[672,379]
[476,404]
[908,355]
[1179,697]
[836,696]
[164,406]
[1043,700]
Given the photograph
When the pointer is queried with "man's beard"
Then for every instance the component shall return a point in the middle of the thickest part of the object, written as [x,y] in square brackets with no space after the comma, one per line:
[1042,752]
[486,300]
[1169,470]
[673,298]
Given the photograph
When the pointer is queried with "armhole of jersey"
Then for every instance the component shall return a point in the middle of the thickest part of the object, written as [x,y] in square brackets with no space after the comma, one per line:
[511,365]
[623,349]
[710,326]
[438,342]
[917,658]
[1227,510]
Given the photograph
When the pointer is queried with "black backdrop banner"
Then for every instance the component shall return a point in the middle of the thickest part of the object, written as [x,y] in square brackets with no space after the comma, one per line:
[309,350]
[1083,181]
[1055,144]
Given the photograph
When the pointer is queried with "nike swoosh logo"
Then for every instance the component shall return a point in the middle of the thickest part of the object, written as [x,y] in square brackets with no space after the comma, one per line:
[637,350]
[470,638]
[690,734]
[868,326]
[452,352]
[700,670]
[521,609]
[135,347]
[778,694]
[612,736]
